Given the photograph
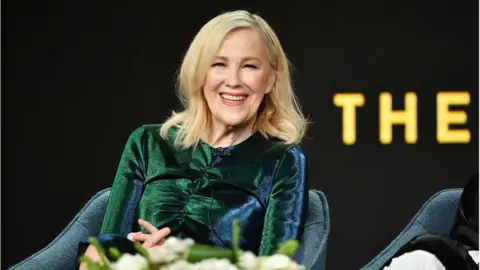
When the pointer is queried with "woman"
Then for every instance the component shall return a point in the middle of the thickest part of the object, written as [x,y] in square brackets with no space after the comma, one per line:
[230,154]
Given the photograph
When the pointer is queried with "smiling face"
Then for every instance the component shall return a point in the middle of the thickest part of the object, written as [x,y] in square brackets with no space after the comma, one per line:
[239,78]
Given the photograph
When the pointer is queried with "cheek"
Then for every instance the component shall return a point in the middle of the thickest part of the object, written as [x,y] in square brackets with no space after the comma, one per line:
[258,83]
[255,104]
[212,81]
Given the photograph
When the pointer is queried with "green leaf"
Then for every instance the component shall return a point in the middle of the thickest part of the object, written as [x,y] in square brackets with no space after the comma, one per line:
[235,240]
[198,252]
[94,242]
[288,248]
[85,259]
[92,265]
[97,267]
[101,251]
[142,251]
[115,253]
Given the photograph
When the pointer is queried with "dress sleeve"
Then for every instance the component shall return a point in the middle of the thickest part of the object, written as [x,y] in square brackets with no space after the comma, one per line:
[288,203]
[127,186]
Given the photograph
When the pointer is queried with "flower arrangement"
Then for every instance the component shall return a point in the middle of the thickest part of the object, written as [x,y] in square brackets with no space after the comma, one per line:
[185,254]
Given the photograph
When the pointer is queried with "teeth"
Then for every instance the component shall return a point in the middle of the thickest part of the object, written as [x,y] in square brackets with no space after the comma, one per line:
[233,98]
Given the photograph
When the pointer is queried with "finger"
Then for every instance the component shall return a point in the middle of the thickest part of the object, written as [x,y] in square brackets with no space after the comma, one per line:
[141,237]
[160,235]
[131,236]
[136,236]
[149,227]
[156,238]
[161,243]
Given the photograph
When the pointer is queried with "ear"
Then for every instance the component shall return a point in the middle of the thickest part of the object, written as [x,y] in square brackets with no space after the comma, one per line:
[272,79]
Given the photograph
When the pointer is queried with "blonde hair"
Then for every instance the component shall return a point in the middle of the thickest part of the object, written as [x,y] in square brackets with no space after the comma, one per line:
[281,115]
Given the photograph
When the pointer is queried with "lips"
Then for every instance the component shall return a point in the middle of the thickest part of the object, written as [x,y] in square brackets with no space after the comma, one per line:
[233,99]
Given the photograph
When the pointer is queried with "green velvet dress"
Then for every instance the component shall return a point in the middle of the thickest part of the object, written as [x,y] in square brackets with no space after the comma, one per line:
[197,193]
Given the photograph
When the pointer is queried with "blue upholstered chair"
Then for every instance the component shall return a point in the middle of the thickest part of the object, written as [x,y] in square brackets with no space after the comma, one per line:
[436,216]
[60,254]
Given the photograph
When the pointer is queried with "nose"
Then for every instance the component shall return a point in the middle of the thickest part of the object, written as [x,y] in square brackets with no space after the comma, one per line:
[233,78]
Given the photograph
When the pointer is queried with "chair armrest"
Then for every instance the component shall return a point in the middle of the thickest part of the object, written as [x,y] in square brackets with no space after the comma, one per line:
[61,253]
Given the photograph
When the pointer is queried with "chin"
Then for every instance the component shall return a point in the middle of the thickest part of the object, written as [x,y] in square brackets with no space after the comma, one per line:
[233,120]
[233,123]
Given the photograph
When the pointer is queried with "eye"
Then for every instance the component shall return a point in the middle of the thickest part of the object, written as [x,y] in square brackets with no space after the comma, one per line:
[250,66]
[218,64]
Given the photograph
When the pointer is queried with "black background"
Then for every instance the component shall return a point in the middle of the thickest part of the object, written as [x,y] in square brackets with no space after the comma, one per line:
[78,77]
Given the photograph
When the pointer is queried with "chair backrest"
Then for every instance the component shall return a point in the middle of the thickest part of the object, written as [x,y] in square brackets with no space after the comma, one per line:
[436,216]
[93,213]
[61,252]
[313,248]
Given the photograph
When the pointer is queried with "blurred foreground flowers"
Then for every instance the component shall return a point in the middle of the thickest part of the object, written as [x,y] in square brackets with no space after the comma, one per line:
[185,254]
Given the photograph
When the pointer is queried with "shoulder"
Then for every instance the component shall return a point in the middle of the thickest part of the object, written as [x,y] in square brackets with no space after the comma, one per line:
[292,168]
[293,157]
[288,153]
[291,161]
[294,151]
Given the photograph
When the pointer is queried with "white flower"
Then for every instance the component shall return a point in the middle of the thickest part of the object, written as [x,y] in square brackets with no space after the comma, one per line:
[214,264]
[172,250]
[178,245]
[172,253]
[277,262]
[417,259]
[162,254]
[130,262]
[247,261]
[178,265]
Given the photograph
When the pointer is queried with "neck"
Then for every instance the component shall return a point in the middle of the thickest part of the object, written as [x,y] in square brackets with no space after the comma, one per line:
[221,135]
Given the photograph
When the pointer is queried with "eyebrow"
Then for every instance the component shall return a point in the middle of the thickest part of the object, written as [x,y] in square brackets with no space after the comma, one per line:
[247,58]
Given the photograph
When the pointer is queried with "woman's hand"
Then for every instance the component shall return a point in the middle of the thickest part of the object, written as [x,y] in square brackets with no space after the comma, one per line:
[155,237]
